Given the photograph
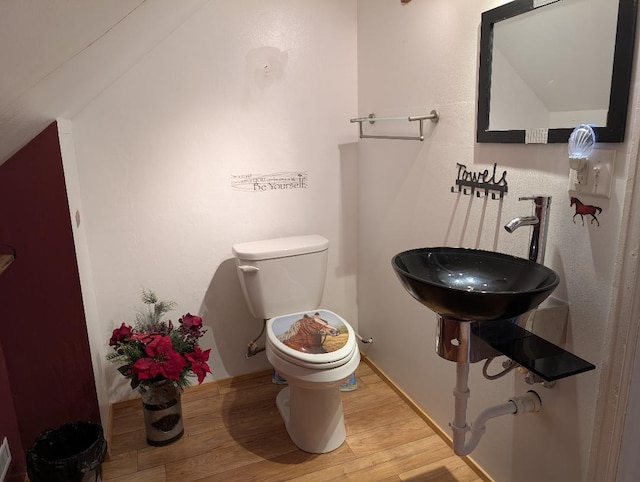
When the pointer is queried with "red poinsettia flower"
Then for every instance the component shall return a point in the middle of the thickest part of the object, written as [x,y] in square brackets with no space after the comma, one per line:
[144,338]
[199,365]
[163,360]
[191,321]
[120,335]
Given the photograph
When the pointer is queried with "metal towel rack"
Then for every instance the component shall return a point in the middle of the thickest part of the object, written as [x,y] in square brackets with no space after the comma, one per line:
[433,116]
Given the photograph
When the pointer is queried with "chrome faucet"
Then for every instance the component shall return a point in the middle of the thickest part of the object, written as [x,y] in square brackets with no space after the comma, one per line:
[540,223]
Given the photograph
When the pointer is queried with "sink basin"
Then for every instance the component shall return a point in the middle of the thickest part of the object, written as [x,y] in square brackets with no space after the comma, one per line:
[474,285]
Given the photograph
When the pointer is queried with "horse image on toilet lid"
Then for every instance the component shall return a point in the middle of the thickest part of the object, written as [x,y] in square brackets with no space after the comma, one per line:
[320,336]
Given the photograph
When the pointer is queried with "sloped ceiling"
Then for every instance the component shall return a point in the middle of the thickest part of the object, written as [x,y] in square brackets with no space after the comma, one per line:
[57,55]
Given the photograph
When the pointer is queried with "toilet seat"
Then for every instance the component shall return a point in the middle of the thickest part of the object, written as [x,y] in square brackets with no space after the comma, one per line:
[336,350]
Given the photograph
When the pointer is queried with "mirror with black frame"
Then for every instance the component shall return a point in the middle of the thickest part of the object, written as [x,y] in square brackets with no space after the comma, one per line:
[555,64]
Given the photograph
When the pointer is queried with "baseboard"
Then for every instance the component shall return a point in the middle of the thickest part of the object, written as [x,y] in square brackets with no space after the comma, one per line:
[416,408]
[109,430]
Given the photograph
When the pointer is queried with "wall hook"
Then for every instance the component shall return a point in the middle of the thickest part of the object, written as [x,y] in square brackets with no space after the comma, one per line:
[481,181]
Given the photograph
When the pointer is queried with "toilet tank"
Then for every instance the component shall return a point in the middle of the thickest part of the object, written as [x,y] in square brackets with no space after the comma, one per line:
[283,275]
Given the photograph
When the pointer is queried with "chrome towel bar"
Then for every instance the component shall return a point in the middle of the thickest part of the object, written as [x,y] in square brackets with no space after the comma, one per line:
[433,116]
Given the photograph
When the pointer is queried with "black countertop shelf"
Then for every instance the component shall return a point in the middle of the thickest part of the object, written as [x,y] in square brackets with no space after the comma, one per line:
[541,357]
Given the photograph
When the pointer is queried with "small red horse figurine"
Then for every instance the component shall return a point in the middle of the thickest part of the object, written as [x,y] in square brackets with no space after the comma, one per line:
[583,209]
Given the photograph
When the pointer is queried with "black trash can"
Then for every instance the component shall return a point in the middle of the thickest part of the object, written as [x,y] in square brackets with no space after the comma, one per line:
[73,452]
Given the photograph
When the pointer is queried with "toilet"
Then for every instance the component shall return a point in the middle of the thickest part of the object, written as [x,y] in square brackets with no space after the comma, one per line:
[314,349]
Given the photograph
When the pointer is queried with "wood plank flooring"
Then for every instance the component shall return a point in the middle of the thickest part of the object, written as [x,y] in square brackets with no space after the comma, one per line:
[233,432]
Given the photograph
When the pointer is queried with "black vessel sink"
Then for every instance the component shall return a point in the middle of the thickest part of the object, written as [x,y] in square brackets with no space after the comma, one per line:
[474,285]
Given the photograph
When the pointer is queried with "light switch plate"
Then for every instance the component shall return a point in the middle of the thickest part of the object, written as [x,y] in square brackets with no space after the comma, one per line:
[599,175]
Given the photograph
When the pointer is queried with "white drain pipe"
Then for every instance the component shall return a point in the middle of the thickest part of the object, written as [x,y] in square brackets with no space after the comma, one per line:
[517,405]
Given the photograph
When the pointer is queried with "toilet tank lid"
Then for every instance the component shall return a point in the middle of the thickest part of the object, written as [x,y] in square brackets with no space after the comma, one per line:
[280,247]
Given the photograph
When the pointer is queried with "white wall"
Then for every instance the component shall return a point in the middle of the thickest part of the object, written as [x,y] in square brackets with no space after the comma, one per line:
[94,330]
[629,462]
[243,87]
[428,58]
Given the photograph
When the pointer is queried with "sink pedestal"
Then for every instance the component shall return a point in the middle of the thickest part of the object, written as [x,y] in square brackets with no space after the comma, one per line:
[456,342]
[473,341]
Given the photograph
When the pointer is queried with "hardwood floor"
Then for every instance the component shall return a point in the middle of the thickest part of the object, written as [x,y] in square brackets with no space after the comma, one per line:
[233,431]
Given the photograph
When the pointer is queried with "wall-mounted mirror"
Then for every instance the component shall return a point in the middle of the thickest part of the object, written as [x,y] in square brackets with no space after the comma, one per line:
[555,64]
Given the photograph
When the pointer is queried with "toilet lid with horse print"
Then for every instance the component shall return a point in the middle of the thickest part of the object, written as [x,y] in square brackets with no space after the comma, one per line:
[317,337]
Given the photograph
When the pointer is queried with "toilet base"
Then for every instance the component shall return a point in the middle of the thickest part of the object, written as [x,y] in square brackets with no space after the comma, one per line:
[313,417]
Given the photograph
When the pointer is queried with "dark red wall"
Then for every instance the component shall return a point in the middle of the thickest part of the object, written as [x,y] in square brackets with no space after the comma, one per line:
[8,419]
[42,326]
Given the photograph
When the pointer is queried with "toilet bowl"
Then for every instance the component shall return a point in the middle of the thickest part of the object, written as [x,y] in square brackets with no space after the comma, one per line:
[314,349]
[311,404]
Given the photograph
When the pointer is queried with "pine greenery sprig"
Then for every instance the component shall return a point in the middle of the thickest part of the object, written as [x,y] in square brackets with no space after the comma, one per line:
[155,311]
